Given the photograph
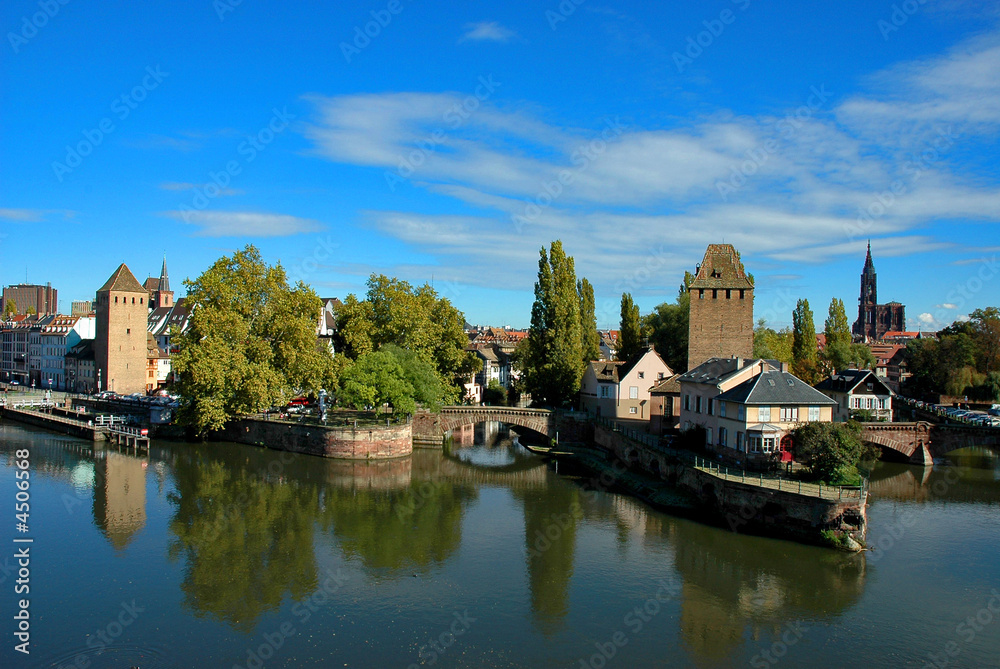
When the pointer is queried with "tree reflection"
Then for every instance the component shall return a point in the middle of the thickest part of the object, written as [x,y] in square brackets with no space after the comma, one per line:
[411,527]
[246,540]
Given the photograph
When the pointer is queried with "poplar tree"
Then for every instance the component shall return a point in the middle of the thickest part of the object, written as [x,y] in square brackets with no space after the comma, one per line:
[630,335]
[590,341]
[552,358]
[838,350]
[804,363]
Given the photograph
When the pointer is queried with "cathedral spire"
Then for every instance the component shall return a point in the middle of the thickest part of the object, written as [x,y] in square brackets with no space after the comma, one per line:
[869,264]
[165,281]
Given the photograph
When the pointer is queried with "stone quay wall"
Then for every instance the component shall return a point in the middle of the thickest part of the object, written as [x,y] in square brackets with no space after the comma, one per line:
[739,504]
[349,443]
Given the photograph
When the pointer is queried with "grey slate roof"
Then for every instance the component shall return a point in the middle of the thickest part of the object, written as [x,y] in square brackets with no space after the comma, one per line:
[670,384]
[715,370]
[849,379]
[774,387]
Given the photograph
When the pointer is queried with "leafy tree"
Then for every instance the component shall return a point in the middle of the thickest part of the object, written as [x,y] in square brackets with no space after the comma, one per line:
[9,309]
[630,336]
[420,372]
[590,340]
[832,451]
[770,344]
[251,344]
[551,359]
[838,352]
[668,328]
[985,326]
[862,357]
[804,350]
[416,319]
[495,394]
[375,379]
[31,311]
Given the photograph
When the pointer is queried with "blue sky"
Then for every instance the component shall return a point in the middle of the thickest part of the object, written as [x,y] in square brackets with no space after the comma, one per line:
[453,140]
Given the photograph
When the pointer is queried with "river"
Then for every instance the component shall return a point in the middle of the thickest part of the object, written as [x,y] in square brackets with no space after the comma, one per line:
[222,555]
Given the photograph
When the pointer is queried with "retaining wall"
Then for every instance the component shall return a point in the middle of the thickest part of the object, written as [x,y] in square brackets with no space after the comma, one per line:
[362,443]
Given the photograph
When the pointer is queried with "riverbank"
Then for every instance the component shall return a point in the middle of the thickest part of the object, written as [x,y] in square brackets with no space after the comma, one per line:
[805,512]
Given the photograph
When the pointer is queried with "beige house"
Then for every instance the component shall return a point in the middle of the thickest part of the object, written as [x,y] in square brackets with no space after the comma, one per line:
[620,388]
[748,407]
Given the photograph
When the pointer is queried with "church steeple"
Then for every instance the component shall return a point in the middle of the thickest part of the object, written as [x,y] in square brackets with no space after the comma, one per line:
[165,281]
[869,264]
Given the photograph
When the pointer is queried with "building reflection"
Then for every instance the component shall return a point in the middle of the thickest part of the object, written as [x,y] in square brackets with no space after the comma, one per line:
[119,497]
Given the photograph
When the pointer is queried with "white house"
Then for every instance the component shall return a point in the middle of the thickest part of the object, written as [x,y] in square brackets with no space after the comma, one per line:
[621,389]
[858,390]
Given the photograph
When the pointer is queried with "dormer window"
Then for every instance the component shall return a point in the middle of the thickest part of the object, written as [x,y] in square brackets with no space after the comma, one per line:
[716,274]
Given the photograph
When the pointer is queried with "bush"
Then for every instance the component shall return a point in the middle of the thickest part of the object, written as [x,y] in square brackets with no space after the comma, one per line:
[832,451]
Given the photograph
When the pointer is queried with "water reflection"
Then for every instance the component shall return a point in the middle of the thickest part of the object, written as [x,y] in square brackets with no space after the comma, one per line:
[246,541]
[119,483]
[968,476]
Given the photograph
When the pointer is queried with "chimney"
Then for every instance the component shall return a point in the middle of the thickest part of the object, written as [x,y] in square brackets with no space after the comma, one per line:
[784,367]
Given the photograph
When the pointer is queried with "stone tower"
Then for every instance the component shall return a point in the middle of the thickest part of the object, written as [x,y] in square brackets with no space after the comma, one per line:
[721,316]
[120,339]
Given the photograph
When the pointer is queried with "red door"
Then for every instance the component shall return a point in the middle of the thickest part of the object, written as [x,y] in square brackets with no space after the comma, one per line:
[787,446]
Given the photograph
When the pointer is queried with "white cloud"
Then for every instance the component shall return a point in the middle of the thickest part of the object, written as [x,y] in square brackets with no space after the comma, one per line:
[946,305]
[802,184]
[180,186]
[33,215]
[486,31]
[244,223]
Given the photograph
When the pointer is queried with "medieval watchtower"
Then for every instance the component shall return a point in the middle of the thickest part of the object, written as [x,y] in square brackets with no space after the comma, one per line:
[721,316]
[120,337]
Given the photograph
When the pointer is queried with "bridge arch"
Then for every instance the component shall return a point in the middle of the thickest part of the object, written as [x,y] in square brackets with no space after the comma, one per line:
[433,426]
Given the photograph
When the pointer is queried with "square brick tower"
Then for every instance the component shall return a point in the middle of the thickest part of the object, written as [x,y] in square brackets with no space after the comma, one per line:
[721,317]
[120,342]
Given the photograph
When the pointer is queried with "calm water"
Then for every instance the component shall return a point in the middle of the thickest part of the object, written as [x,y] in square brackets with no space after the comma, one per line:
[215,555]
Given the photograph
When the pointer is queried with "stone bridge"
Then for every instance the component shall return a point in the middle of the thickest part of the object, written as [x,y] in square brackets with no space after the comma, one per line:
[430,428]
[919,443]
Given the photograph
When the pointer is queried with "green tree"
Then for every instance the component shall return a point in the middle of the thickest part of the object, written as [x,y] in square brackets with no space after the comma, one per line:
[495,394]
[31,311]
[838,352]
[832,451]
[552,359]
[590,340]
[9,309]
[804,349]
[630,336]
[668,328]
[416,319]
[420,372]
[985,326]
[251,343]
[770,344]
[376,379]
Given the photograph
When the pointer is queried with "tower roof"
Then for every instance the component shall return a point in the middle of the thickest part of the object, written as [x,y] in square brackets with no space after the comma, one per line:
[164,280]
[721,268]
[122,280]
[869,264]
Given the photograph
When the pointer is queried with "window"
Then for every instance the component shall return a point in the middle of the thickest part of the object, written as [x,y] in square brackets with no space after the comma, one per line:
[722,409]
[604,391]
[632,410]
[763,414]
[739,412]
[722,437]
[659,376]
[642,375]
[789,414]
[881,403]
[813,414]
[633,392]
[701,293]
[708,436]
[687,402]
[754,443]
[711,406]
[740,446]
[768,445]
[869,385]
[697,404]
